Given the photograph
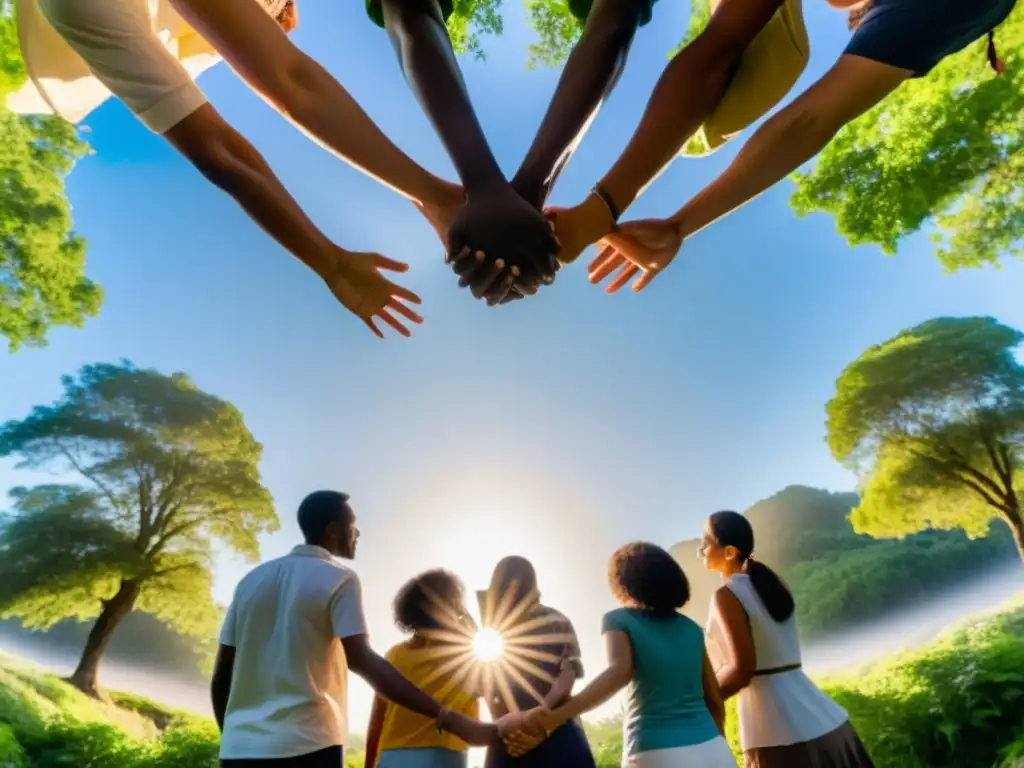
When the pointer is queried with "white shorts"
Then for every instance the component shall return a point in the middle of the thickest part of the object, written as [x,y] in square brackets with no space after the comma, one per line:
[116,40]
[709,754]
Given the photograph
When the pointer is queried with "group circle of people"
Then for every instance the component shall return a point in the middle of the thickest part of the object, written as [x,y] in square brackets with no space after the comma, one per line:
[295,627]
[501,238]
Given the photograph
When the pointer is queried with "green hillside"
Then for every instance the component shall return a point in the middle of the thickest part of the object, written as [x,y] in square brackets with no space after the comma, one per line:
[840,577]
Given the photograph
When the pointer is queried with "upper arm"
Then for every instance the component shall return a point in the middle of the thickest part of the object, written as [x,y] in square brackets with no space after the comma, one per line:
[250,41]
[224,664]
[117,42]
[346,609]
[736,627]
[619,651]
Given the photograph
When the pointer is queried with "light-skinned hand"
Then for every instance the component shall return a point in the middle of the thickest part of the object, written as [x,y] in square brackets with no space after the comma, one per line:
[644,247]
[357,282]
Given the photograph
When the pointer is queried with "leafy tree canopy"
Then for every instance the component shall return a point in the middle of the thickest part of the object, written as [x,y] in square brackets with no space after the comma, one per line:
[42,261]
[166,471]
[933,419]
[946,151]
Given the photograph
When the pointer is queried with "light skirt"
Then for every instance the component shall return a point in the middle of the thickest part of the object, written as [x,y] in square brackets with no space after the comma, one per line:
[431,757]
[709,754]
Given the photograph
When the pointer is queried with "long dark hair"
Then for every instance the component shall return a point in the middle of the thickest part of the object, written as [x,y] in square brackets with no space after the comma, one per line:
[732,529]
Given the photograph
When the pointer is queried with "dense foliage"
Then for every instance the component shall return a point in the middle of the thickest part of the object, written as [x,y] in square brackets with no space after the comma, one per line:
[944,152]
[166,471]
[933,422]
[42,260]
[840,577]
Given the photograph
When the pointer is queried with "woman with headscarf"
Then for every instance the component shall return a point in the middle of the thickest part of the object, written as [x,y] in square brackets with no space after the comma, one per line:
[785,720]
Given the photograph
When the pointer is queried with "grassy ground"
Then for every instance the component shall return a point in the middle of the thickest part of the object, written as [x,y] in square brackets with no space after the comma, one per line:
[958,703]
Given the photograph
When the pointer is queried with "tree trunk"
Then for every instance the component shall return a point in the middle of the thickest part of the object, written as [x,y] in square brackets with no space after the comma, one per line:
[114,611]
[1017,527]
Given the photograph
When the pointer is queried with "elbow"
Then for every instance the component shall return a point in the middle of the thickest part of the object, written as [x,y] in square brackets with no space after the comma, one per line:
[291,85]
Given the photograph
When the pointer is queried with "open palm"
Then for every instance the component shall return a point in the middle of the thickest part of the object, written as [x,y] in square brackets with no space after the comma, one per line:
[359,285]
[644,247]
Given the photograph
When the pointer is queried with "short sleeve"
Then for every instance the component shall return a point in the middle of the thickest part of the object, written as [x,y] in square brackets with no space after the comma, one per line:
[346,607]
[228,630]
[117,42]
[613,621]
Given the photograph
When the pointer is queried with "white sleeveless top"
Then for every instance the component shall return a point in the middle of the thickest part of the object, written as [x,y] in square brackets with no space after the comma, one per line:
[779,709]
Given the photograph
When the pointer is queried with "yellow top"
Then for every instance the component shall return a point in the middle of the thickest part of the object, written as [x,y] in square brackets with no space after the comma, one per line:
[426,669]
[768,70]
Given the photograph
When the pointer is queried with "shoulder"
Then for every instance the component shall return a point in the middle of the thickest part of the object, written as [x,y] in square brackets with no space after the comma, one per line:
[617,620]
[557,617]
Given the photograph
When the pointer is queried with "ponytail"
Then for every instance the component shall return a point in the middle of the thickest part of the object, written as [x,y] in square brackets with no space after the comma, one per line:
[772,590]
[732,529]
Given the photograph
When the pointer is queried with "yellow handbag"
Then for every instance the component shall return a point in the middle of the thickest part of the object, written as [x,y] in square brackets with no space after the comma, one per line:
[768,70]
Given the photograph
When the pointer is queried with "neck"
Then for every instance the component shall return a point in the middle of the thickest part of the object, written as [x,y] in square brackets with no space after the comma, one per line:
[731,570]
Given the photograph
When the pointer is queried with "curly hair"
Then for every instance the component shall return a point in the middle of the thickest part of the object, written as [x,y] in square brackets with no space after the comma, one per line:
[643,575]
[423,602]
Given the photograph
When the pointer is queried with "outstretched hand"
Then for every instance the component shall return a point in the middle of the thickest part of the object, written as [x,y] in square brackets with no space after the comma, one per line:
[358,284]
[644,247]
[501,247]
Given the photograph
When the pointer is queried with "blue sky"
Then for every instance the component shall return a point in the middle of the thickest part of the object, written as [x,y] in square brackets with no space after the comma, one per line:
[559,427]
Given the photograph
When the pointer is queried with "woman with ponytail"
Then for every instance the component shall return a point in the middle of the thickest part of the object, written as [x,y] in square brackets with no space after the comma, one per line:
[785,720]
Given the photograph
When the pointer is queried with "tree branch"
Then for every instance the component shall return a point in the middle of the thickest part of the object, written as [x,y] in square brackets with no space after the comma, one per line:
[78,467]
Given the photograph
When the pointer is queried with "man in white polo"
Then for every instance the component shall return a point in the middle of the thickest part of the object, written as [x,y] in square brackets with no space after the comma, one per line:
[292,632]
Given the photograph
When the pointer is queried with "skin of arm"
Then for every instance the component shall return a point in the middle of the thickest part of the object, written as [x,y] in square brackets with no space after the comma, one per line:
[591,72]
[687,93]
[256,47]
[792,137]
[612,680]
[713,694]
[230,162]
[373,731]
[389,683]
[220,685]
[737,673]
[561,688]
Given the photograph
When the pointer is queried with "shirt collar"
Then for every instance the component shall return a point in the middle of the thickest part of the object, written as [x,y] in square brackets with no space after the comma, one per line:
[312,550]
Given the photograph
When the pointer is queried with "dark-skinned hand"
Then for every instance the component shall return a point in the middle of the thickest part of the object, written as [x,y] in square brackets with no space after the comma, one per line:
[501,247]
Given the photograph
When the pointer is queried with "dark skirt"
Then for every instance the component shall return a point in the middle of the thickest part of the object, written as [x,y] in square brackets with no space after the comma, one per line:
[565,748]
[841,748]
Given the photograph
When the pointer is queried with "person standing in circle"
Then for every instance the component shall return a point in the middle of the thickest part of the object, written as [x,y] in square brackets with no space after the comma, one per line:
[785,720]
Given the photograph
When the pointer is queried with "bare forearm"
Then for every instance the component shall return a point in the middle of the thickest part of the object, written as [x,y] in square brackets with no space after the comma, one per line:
[329,114]
[596,693]
[220,689]
[778,148]
[560,689]
[590,74]
[392,685]
[732,680]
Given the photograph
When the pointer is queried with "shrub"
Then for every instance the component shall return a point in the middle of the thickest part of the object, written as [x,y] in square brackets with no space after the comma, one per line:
[11,753]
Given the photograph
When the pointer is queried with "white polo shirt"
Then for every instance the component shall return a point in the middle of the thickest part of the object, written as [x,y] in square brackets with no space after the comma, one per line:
[289,687]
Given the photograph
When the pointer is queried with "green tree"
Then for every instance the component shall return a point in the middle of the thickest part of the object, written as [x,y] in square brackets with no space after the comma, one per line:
[166,470]
[42,261]
[469,20]
[946,151]
[933,421]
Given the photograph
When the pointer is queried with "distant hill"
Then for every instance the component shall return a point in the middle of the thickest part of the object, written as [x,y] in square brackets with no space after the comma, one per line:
[838,576]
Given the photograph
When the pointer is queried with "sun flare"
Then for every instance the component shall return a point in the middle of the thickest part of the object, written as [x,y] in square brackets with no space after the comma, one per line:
[488,645]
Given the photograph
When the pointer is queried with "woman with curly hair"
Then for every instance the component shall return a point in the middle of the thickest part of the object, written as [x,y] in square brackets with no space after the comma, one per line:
[785,720]
[430,609]
[674,715]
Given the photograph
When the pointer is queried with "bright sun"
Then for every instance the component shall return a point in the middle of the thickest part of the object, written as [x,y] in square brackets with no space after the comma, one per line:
[487,645]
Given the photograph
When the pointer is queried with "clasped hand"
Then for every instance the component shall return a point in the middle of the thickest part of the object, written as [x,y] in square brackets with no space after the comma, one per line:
[524,731]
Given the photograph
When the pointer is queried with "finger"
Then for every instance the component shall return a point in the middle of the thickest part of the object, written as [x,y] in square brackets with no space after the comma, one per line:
[470,268]
[645,280]
[383,262]
[394,323]
[498,293]
[605,252]
[462,253]
[489,277]
[372,327]
[405,293]
[628,272]
[613,262]
[401,309]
